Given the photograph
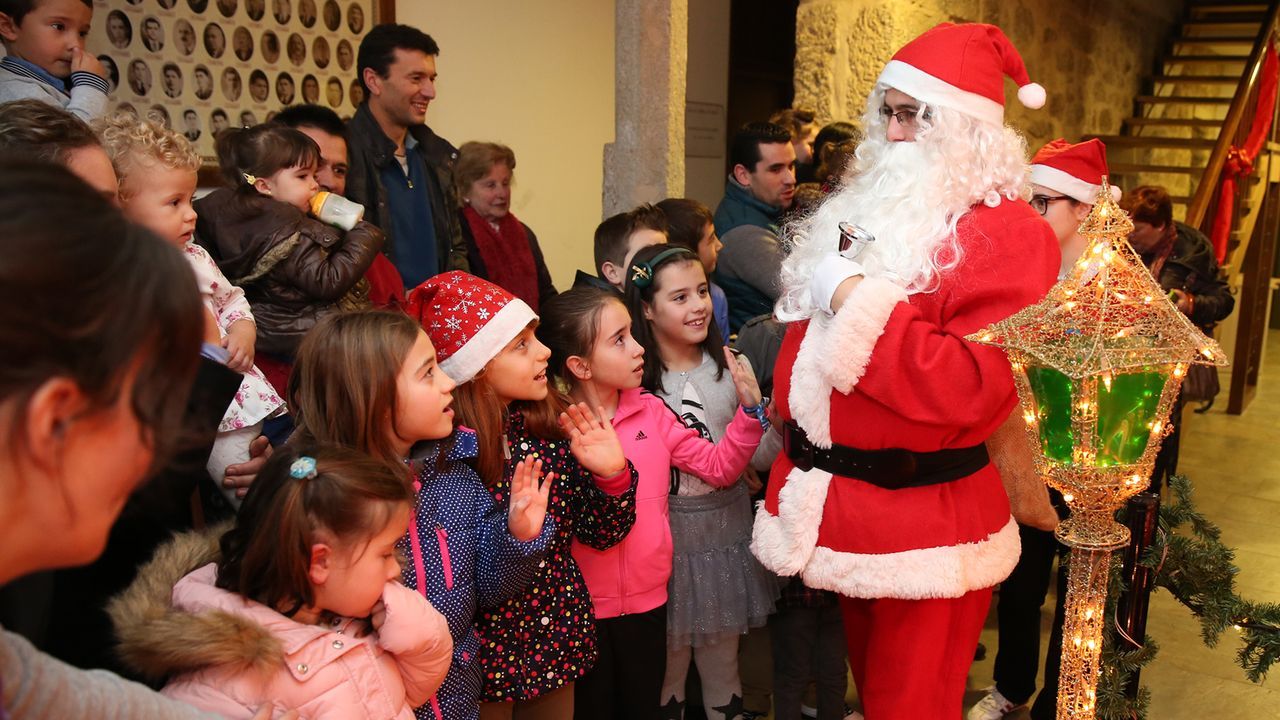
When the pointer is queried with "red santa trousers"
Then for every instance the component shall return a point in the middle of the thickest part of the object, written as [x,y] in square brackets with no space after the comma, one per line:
[910,658]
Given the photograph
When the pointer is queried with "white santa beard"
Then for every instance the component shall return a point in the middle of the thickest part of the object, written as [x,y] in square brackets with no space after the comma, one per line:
[899,198]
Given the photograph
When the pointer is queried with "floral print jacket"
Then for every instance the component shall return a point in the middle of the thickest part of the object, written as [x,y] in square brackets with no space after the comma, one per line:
[545,637]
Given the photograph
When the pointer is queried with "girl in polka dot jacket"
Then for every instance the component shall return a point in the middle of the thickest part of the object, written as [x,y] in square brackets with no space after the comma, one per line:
[465,552]
[538,643]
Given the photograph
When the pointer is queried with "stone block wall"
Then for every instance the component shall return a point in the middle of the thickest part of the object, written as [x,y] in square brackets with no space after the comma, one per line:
[1090,55]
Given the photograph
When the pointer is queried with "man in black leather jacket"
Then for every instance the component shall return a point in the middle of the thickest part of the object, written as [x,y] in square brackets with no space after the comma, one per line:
[401,171]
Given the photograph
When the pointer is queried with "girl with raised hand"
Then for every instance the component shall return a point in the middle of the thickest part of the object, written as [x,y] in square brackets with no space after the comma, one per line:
[539,642]
[594,354]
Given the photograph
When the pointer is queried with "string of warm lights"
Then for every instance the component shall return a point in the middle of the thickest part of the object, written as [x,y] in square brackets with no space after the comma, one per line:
[1189,560]
[1097,364]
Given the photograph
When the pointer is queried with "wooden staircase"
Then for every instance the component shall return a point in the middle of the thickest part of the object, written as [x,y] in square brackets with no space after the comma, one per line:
[1198,104]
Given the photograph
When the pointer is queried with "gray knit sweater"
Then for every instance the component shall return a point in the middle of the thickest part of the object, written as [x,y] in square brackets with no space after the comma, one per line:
[39,687]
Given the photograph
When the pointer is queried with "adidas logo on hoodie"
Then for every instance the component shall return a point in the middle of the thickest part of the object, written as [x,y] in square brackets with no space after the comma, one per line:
[641,436]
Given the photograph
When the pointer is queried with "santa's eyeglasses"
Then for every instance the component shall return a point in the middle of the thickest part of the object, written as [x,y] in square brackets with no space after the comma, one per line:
[1040,203]
[908,118]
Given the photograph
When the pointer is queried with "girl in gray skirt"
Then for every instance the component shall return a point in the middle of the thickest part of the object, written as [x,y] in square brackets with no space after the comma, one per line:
[717,590]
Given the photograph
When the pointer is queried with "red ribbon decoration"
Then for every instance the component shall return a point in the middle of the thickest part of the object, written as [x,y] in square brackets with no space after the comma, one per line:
[1240,159]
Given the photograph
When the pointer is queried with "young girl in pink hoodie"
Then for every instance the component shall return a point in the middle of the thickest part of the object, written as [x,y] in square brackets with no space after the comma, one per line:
[589,333]
[299,606]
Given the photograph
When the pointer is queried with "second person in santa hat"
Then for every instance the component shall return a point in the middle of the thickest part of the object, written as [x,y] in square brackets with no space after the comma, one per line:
[1065,181]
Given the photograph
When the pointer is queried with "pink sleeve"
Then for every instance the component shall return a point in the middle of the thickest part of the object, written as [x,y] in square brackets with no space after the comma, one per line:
[617,484]
[229,303]
[719,464]
[418,636]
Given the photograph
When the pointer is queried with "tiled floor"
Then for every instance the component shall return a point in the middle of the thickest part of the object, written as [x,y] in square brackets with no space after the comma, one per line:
[1234,465]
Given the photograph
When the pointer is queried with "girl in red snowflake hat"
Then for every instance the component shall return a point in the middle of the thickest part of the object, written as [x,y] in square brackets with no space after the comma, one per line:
[539,642]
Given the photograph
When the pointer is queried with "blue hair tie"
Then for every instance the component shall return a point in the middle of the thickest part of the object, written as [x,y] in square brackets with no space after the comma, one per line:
[304,468]
[642,273]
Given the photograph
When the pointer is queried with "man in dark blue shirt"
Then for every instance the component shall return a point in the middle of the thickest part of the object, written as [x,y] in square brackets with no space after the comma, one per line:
[401,171]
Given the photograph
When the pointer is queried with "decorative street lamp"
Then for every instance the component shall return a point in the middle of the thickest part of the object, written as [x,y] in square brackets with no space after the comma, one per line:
[1098,364]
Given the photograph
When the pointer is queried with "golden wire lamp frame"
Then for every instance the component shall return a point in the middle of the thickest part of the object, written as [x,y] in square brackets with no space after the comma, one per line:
[1098,364]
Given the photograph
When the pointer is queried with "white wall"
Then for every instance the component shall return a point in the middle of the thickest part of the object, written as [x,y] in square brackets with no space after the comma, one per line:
[708,85]
[537,76]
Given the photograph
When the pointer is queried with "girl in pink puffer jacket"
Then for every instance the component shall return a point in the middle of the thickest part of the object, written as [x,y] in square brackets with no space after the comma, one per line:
[299,606]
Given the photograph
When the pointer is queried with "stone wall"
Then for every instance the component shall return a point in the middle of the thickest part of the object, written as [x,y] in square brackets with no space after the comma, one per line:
[1091,56]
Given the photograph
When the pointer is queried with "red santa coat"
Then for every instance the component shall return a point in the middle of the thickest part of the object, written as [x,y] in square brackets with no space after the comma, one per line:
[894,371]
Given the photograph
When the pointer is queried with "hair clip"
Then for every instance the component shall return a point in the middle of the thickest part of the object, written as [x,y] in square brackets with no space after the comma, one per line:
[304,468]
[642,272]
[251,179]
[641,275]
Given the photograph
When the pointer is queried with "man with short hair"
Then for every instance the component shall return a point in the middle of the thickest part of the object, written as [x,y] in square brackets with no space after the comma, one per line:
[885,493]
[401,171]
[759,189]
[617,240]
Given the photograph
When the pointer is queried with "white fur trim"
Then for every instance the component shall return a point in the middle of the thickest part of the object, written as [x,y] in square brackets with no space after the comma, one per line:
[937,572]
[857,328]
[835,352]
[1032,95]
[485,345]
[784,542]
[931,90]
[1066,183]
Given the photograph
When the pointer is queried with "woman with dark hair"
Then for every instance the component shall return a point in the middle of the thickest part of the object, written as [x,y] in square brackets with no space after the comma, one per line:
[95,406]
[500,248]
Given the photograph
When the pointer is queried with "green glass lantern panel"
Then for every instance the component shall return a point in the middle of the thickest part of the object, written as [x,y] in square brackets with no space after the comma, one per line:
[1053,392]
[1125,415]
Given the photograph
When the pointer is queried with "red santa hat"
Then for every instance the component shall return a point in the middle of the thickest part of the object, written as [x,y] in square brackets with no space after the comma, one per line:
[469,320]
[1073,170]
[962,67]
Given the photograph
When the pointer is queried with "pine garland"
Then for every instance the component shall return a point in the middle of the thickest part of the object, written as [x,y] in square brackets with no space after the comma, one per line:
[1193,565]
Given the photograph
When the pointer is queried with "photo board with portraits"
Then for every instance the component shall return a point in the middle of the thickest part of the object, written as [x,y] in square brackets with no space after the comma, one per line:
[203,65]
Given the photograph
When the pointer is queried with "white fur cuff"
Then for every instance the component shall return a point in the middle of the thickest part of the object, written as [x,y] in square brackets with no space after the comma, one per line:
[784,542]
[938,572]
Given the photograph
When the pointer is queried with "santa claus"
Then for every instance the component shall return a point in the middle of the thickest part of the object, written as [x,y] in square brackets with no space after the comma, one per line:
[885,493]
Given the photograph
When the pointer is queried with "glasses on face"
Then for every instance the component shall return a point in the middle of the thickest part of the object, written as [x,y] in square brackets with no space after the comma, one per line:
[1040,203]
[908,118]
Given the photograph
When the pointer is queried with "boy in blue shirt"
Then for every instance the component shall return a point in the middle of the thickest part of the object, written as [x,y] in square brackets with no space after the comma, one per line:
[47,60]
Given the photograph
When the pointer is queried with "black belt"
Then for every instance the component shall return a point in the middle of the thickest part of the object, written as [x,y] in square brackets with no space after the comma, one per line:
[892,469]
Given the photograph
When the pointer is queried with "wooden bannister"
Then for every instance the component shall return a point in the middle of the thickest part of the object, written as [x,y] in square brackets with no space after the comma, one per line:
[1207,189]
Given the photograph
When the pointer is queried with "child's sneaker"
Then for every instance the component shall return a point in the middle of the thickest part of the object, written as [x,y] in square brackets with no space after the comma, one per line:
[993,706]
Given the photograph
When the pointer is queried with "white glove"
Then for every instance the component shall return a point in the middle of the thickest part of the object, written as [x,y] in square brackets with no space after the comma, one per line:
[833,270]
